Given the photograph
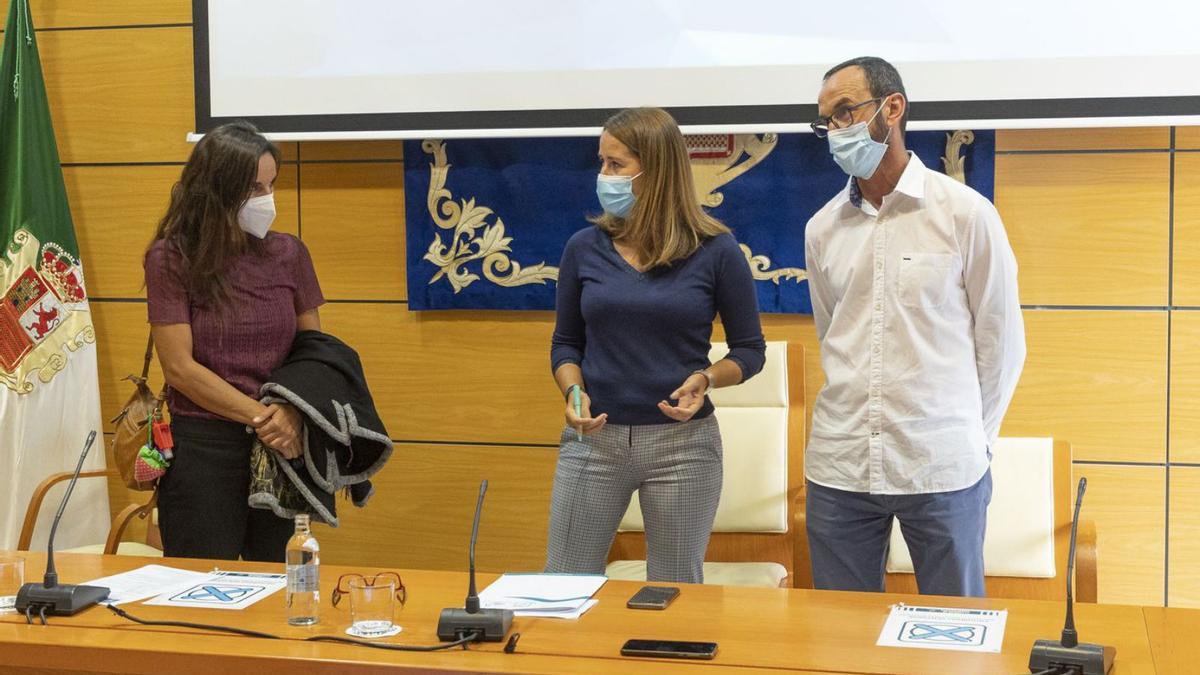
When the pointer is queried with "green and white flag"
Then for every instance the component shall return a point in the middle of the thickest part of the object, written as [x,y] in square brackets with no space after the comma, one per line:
[50,398]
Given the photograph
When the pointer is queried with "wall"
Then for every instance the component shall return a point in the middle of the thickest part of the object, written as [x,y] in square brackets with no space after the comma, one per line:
[1105,223]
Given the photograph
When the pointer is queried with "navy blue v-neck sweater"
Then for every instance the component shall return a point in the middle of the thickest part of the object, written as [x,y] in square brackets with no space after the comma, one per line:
[638,335]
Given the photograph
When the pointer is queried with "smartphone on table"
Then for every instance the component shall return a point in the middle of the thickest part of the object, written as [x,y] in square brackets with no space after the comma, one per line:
[672,649]
[652,597]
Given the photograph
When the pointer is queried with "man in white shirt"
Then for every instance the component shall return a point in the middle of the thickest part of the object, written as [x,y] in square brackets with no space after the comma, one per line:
[914,295]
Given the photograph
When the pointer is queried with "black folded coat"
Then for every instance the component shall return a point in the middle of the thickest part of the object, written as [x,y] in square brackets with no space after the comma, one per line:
[345,442]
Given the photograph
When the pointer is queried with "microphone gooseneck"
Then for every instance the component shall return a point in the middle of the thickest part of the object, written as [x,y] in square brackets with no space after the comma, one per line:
[472,603]
[51,597]
[483,625]
[1070,638]
[50,580]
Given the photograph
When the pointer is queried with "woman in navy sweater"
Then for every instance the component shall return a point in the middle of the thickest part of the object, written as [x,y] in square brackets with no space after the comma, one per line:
[637,296]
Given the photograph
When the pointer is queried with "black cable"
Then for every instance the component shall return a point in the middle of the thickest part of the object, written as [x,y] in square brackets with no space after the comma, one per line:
[184,624]
[470,637]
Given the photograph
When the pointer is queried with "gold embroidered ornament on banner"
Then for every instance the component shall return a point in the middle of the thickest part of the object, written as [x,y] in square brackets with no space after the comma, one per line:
[472,238]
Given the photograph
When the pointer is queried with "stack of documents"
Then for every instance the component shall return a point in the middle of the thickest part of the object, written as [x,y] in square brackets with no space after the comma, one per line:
[562,596]
[184,588]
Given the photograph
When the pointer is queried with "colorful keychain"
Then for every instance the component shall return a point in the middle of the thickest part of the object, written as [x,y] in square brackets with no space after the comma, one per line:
[150,464]
[163,440]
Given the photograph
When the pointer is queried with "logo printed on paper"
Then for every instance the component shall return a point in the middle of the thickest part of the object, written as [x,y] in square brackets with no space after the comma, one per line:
[924,632]
[218,594]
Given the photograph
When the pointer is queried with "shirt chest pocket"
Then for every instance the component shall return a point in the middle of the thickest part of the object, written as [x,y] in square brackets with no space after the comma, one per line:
[927,280]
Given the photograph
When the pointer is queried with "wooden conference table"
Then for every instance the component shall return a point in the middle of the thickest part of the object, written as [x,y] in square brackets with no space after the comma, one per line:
[757,629]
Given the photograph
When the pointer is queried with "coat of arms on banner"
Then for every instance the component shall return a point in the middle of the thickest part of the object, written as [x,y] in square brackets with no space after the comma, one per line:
[44,310]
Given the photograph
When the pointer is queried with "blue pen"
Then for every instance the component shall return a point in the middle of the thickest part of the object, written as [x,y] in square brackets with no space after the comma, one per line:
[578,410]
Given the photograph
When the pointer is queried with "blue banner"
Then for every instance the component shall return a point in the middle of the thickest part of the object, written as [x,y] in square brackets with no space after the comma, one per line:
[487,219]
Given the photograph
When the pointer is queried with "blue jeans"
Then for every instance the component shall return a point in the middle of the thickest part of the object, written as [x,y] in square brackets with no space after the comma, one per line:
[848,537]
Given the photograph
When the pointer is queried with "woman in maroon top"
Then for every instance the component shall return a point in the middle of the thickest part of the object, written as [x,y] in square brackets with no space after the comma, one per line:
[226,297]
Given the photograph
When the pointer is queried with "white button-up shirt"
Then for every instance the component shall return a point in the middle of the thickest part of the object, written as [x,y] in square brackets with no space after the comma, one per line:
[922,340]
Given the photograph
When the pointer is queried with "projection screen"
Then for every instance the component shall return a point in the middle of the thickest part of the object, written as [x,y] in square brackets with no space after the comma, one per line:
[453,68]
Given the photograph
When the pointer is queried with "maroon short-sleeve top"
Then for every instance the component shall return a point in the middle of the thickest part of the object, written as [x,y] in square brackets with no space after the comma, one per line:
[246,341]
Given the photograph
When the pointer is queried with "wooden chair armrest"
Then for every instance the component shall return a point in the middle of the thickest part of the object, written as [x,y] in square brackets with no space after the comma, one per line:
[1086,562]
[801,563]
[35,503]
[120,523]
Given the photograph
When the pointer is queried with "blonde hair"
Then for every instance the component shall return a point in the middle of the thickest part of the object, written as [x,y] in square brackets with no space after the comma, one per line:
[666,223]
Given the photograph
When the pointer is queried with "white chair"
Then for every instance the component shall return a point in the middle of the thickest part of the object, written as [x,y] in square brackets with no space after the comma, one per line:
[1028,528]
[762,432]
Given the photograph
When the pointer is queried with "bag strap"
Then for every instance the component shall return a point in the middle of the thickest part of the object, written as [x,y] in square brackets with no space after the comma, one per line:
[149,355]
[162,393]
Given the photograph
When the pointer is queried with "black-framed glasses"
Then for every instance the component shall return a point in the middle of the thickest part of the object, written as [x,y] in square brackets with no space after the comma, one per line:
[343,585]
[840,119]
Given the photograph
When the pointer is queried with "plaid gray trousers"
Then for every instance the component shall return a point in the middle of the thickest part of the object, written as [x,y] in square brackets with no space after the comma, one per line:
[676,469]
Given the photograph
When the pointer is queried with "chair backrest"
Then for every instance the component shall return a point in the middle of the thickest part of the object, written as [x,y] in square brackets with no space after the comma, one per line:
[753,417]
[762,432]
[119,523]
[1020,523]
[1029,524]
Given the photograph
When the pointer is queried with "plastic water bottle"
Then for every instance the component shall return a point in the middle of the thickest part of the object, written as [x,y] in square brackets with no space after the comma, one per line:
[303,575]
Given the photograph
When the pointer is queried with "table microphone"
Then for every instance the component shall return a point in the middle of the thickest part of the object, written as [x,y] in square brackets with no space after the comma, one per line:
[50,596]
[1067,655]
[489,625]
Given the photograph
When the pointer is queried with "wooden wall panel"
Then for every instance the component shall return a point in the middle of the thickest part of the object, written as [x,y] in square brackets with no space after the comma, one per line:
[1087,229]
[121,331]
[1096,379]
[1127,138]
[1184,583]
[1187,230]
[353,224]
[120,95]
[475,376]
[1128,505]
[77,14]
[1185,388]
[1187,138]
[319,151]
[116,210]
[425,496]
[455,376]
[287,200]
[288,151]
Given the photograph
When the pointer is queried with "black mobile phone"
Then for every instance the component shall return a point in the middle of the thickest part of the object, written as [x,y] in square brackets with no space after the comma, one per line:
[652,597]
[671,649]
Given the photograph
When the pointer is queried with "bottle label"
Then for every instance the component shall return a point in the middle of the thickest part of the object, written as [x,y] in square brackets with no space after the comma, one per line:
[303,578]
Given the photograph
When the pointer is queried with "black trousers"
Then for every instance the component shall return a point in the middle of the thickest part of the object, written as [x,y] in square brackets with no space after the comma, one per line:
[202,499]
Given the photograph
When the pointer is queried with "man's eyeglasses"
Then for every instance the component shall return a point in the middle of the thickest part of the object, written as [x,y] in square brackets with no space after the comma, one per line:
[343,585]
[840,119]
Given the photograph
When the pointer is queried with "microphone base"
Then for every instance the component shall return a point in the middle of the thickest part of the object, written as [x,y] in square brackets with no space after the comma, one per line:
[60,600]
[492,625]
[1088,658]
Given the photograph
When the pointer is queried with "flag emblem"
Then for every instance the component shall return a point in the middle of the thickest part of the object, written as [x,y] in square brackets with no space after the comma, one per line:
[43,309]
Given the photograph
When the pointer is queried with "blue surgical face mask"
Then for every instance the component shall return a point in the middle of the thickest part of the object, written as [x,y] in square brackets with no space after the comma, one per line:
[616,194]
[855,151]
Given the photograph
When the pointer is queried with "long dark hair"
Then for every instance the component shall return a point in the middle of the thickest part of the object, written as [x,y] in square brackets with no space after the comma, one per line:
[201,221]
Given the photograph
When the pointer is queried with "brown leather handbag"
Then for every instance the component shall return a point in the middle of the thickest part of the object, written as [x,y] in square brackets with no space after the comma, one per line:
[133,423]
